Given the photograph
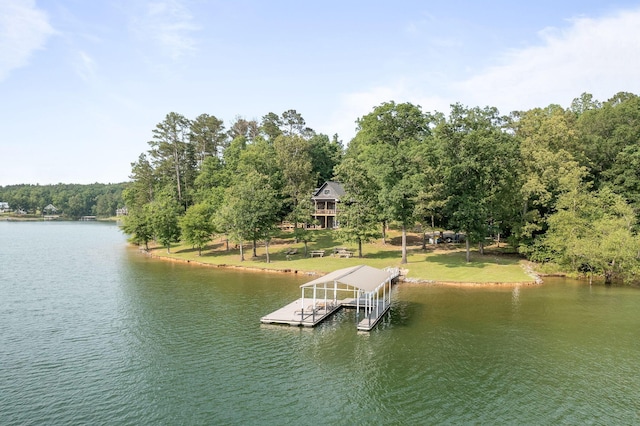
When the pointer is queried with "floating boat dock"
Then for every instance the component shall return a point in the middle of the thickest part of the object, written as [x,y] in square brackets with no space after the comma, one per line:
[366,288]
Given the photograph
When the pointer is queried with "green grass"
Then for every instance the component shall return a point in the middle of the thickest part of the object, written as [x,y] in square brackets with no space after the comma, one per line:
[446,264]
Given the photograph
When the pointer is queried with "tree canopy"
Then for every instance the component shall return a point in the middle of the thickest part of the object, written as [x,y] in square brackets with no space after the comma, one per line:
[473,170]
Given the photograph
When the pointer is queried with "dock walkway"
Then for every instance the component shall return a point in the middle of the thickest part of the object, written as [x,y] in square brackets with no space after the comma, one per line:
[372,319]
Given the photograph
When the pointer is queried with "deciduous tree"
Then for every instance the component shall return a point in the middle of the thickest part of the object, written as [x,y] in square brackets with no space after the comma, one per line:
[479,158]
[163,215]
[197,226]
[250,211]
[294,162]
[386,144]
[358,214]
[593,231]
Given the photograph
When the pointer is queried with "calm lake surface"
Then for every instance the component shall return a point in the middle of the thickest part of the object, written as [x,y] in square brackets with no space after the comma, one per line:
[93,332]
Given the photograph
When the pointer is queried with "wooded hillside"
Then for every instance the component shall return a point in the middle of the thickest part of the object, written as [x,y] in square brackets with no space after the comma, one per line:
[561,184]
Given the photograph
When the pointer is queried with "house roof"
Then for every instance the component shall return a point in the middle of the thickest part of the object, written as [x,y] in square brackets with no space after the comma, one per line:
[329,191]
[362,277]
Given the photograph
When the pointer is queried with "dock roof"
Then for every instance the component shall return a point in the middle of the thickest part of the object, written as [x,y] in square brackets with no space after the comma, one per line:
[362,277]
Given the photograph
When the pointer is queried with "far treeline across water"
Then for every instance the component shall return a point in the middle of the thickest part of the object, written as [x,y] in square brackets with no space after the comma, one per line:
[560,184]
[70,201]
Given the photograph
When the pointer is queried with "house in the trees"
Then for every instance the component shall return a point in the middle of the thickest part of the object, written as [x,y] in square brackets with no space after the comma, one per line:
[50,209]
[326,200]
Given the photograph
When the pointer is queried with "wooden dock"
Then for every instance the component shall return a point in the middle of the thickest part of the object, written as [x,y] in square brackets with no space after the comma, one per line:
[369,290]
[307,316]
[292,314]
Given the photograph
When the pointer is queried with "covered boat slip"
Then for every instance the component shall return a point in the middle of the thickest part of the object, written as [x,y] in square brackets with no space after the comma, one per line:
[361,287]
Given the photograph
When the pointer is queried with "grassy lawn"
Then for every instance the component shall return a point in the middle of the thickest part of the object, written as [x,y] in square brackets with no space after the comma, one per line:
[444,263]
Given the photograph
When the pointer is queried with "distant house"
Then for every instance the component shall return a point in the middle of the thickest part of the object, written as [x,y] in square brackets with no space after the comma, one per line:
[326,200]
[122,211]
[4,207]
[50,209]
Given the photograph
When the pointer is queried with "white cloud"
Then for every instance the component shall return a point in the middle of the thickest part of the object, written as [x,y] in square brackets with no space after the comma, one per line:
[598,56]
[353,106]
[23,29]
[170,25]
[85,66]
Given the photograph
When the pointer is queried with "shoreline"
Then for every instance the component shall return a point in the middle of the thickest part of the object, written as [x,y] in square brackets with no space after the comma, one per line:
[53,219]
[536,278]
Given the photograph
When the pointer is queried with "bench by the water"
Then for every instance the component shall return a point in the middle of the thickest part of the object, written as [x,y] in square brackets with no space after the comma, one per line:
[367,289]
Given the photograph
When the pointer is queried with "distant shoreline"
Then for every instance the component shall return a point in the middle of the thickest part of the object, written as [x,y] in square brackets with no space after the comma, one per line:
[30,218]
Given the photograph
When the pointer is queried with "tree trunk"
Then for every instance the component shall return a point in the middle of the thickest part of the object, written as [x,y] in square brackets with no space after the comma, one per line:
[177,167]
[360,247]
[481,247]
[608,274]
[433,231]
[255,245]
[404,245]
[266,249]
[468,255]
[241,252]
[384,233]
[608,277]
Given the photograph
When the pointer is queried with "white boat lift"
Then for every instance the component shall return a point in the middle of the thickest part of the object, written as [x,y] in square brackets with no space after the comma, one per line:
[361,287]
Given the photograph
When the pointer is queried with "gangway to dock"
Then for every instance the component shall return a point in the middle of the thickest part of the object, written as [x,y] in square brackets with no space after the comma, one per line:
[367,289]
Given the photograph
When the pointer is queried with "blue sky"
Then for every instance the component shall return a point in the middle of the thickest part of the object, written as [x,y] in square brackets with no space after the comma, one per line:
[83,83]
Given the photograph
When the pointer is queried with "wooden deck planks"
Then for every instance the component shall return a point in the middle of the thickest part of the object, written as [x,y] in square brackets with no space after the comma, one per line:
[292,313]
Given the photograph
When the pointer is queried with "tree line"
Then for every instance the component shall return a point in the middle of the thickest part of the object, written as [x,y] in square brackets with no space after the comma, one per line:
[70,200]
[199,178]
[560,184]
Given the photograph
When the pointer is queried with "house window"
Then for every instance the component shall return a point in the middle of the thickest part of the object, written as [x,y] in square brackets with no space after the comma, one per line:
[327,192]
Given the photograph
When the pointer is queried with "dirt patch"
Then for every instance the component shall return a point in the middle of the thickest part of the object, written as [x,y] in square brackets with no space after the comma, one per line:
[412,240]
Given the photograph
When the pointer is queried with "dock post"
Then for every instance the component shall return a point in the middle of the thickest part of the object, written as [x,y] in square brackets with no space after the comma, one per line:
[302,307]
[384,296]
[313,309]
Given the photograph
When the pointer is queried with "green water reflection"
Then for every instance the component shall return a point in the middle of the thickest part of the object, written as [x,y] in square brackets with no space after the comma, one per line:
[98,333]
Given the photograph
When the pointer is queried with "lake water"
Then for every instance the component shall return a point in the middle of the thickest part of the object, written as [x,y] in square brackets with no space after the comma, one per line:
[93,332]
